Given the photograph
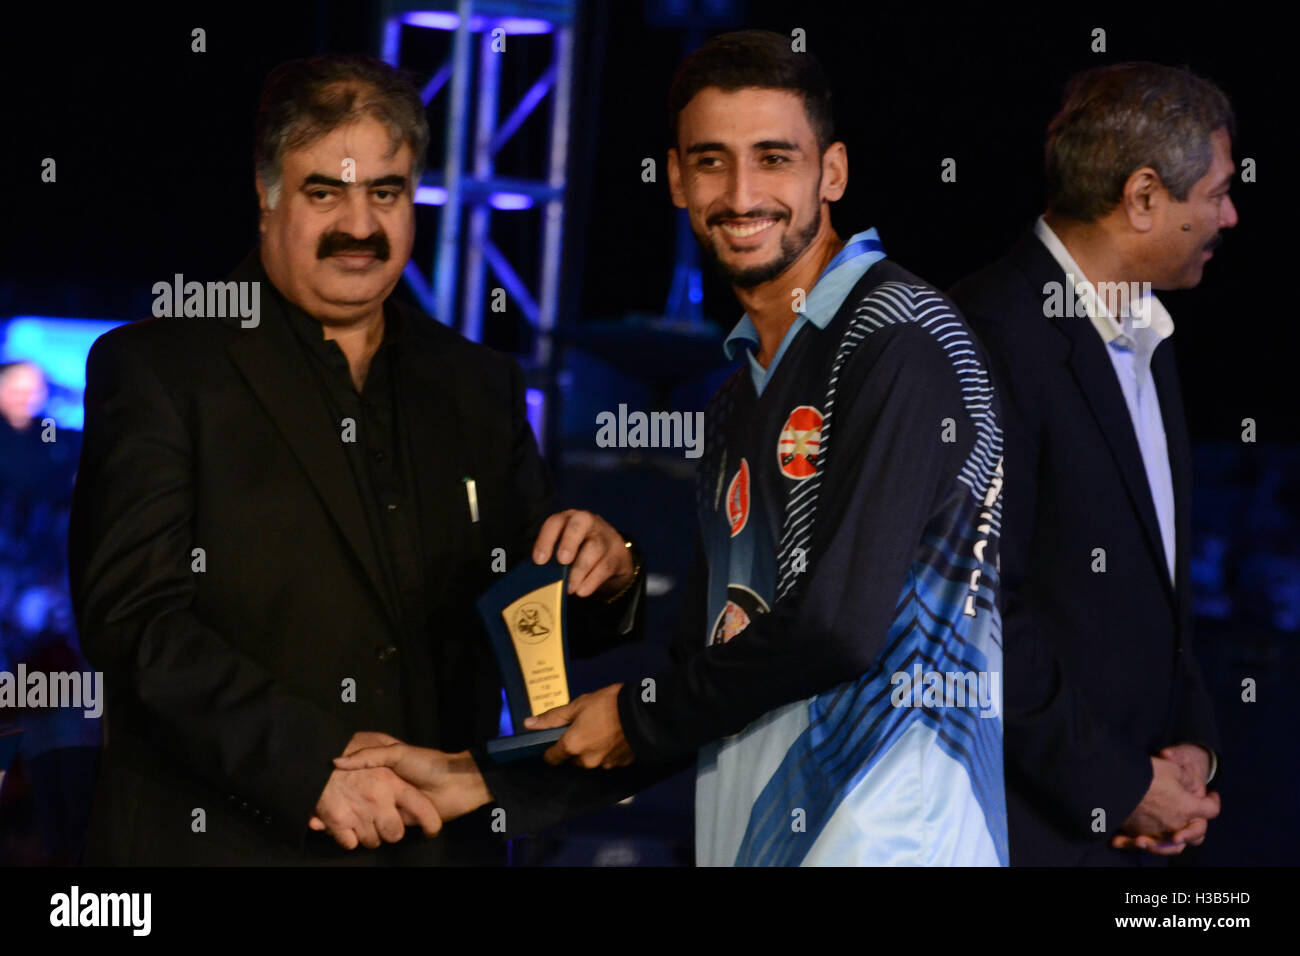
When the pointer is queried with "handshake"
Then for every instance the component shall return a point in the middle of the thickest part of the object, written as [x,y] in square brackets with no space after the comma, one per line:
[1176,809]
[380,786]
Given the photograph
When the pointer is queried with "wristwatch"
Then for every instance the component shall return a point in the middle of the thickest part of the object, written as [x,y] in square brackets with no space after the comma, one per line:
[636,571]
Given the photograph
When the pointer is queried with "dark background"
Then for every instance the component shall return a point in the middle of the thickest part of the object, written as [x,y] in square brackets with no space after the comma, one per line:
[154,143]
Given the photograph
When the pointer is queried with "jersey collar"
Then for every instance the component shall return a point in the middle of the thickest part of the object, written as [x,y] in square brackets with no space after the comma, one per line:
[860,253]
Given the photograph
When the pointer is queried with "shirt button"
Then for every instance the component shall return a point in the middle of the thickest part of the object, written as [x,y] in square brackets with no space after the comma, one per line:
[392,507]
[387,653]
[379,456]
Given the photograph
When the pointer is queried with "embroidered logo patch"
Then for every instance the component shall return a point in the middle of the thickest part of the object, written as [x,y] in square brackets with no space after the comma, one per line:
[800,443]
[738,499]
[742,606]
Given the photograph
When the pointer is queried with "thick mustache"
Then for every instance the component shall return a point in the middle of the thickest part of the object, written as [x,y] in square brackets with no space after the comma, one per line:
[338,243]
[720,217]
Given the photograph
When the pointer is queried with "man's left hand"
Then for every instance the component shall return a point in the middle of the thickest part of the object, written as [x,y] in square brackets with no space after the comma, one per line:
[595,735]
[1195,760]
[600,561]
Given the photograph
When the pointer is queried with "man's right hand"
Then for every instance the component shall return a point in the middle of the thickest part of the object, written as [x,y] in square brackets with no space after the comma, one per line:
[371,806]
[1175,809]
[452,781]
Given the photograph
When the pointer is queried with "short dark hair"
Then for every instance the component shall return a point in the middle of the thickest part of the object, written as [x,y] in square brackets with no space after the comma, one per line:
[754,58]
[1115,120]
[303,100]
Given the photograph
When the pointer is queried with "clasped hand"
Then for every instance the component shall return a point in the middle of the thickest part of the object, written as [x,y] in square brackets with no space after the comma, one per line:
[380,786]
[1176,810]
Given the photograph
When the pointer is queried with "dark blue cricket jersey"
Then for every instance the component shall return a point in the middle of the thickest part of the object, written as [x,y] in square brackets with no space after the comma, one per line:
[841,668]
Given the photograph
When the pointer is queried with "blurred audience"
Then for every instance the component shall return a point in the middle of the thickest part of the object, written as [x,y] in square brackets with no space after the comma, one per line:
[52,776]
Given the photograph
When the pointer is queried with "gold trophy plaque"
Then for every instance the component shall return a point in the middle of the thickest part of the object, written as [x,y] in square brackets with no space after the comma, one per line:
[524,614]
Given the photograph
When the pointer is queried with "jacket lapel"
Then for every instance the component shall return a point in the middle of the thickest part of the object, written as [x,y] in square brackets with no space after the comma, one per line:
[1095,376]
[1164,369]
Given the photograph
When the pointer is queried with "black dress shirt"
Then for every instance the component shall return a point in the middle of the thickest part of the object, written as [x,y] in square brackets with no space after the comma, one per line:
[378,449]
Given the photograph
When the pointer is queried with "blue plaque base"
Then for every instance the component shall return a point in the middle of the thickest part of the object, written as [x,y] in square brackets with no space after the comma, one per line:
[531,743]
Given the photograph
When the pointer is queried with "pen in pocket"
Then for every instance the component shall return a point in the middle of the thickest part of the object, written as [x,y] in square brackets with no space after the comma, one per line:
[471,492]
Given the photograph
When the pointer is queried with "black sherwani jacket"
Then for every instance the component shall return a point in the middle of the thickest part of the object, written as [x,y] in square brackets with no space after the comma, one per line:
[1099,669]
[228,679]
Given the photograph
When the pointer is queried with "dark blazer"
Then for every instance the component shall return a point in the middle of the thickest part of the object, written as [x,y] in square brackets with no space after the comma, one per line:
[1099,670]
[226,685]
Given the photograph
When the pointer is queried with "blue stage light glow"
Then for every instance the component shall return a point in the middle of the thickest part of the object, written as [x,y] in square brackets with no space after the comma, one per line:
[535,402]
[446,20]
[430,196]
[510,201]
[437,196]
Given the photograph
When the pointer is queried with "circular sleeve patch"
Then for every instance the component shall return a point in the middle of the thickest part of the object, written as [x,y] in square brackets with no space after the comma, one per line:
[800,443]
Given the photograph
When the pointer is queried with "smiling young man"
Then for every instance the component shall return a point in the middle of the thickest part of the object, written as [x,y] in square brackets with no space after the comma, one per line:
[837,672]
[273,552]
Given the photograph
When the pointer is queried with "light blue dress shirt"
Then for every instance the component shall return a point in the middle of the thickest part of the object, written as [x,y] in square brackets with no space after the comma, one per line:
[1130,342]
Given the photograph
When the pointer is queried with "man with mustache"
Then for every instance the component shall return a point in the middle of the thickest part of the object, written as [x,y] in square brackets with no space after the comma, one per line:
[279,531]
[848,505]
[1110,734]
